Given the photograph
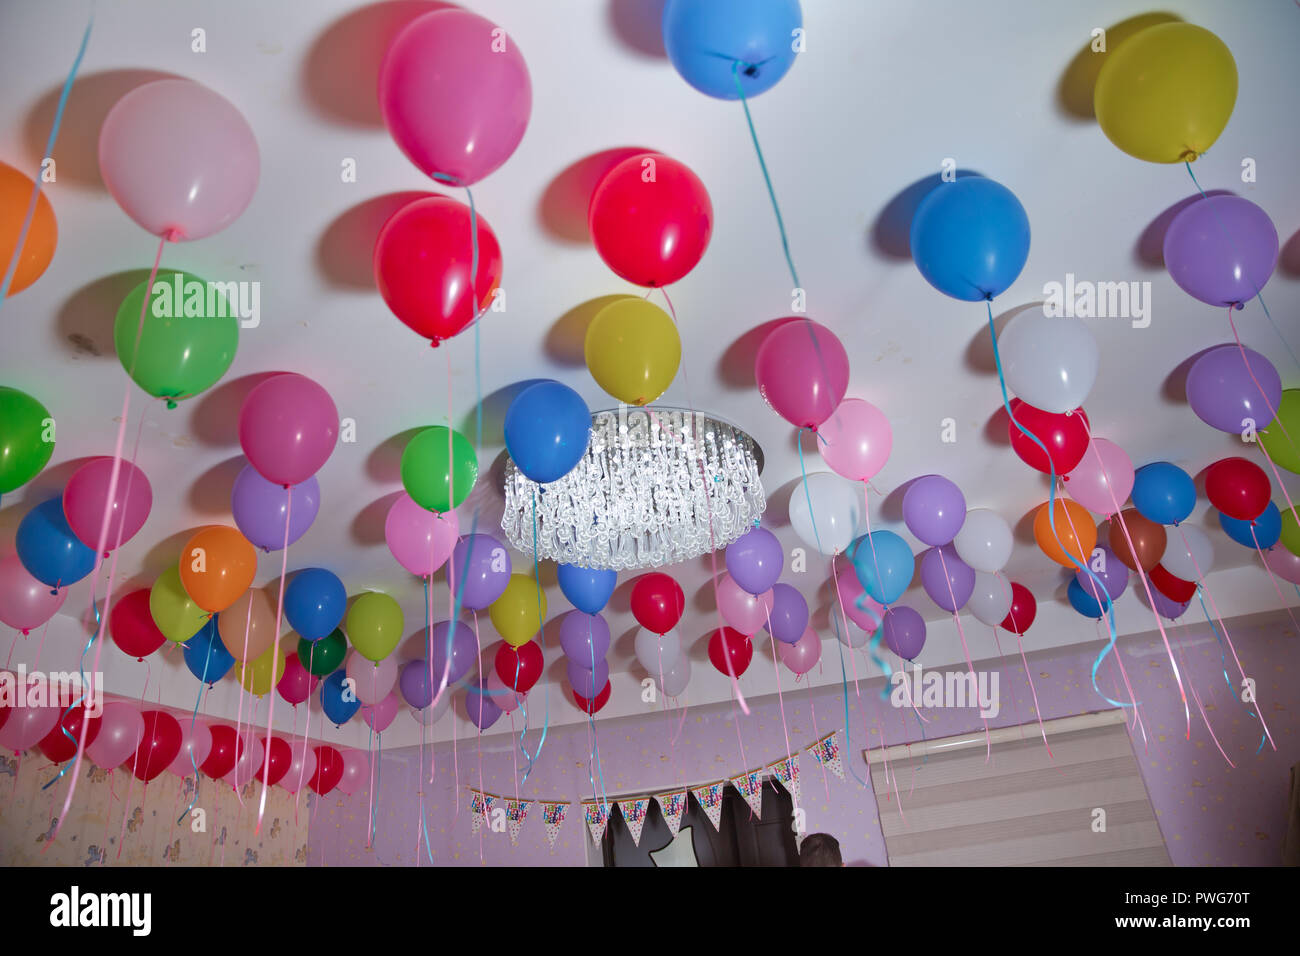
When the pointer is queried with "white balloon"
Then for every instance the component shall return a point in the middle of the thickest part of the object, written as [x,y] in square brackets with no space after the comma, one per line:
[658,654]
[430,715]
[990,602]
[1182,559]
[837,509]
[1051,363]
[984,541]
[677,677]
[850,635]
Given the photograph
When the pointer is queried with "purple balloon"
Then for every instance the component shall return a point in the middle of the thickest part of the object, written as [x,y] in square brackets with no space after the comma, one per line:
[463,651]
[586,682]
[584,637]
[259,508]
[934,509]
[1169,610]
[959,577]
[1113,576]
[754,560]
[482,563]
[483,711]
[414,683]
[904,631]
[788,618]
[1221,250]
[1222,389]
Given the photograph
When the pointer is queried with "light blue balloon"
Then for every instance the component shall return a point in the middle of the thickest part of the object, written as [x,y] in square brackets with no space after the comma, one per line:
[970,238]
[889,553]
[1163,493]
[1267,528]
[706,39]
[332,691]
[48,549]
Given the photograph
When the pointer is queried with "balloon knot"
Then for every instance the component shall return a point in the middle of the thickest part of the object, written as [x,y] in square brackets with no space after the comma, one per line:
[434,343]
[1189,156]
[171,403]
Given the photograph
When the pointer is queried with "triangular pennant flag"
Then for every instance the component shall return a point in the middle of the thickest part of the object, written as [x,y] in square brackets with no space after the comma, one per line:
[672,805]
[516,813]
[597,819]
[750,786]
[827,753]
[480,805]
[709,797]
[787,772]
[553,815]
[634,812]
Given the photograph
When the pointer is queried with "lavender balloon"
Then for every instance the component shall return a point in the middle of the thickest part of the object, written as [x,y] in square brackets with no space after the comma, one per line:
[586,682]
[1222,389]
[956,585]
[463,650]
[1169,610]
[1112,573]
[1221,250]
[755,559]
[483,713]
[789,615]
[934,509]
[260,507]
[414,684]
[904,631]
[584,637]
[479,570]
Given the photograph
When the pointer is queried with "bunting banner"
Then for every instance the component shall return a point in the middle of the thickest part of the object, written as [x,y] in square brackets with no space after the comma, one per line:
[480,805]
[597,820]
[634,813]
[827,753]
[709,797]
[673,806]
[516,813]
[787,774]
[750,786]
[553,815]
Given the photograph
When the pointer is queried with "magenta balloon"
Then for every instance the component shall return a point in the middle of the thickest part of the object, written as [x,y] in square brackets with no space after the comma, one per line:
[372,682]
[803,655]
[179,159]
[1221,250]
[934,509]
[851,595]
[27,726]
[904,631]
[802,371]
[1102,486]
[1226,387]
[260,507]
[942,570]
[121,729]
[420,540]
[288,426]
[250,759]
[296,683]
[478,571]
[379,716]
[744,611]
[856,440]
[788,619]
[196,744]
[356,771]
[25,603]
[86,497]
[301,768]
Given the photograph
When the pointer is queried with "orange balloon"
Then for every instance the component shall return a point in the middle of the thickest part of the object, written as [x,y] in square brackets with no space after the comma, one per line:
[42,235]
[236,620]
[217,566]
[1149,540]
[1074,528]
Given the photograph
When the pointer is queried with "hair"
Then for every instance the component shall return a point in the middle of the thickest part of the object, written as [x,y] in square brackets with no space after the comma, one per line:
[820,849]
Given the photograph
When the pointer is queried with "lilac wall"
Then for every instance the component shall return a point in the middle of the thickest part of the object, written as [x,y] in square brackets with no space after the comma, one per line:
[1209,813]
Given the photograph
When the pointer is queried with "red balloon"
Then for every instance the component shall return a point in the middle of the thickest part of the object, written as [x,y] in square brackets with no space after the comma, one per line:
[727,643]
[1023,610]
[4,715]
[657,602]
[1237,487]
[422,263]
[56,746]
[519,667]
[1066,437]
[588,706]
[281,757]
[329,770]
[159,745]
[1172,586]
[650,219]
[131,625]
[226,749]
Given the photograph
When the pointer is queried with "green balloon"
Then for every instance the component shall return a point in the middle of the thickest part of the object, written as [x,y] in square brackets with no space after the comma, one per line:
[1274,439]
[374,624]
[325,656]
[188,340]
[26,438]
[430,468]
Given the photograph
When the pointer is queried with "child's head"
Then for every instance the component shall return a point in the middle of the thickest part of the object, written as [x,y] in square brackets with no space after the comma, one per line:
[820,849]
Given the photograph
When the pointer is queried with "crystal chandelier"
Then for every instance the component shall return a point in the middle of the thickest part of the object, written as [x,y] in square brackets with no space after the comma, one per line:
[656,486]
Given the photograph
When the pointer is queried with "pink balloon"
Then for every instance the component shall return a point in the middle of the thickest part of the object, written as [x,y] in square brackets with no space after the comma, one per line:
[455,95]
[301,769]
[356,771]
[1088,484]
[420,540]
[288,426]
[196,744]
[378,717]
[86,496]
[1283,563]
[743,611]
[802,371]
[121,729]
[25,603]
[372,682]
[296,683]
[803,655]
[501,695]
[250,760]
[851,593]
[179,159]
[856,440]
[26,726]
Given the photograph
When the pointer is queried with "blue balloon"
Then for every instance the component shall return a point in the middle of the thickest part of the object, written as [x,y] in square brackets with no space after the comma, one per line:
[1163,493]
[547,429]
[714,43]
[970,238]
[337,698]
[1267,528]
[1083,602]
[587,590]
[49,550]
[891,554]
[205,655]
[314,603]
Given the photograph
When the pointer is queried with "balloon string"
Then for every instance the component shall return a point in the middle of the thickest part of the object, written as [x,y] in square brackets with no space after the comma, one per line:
[961,632]
[541,627]
[812,706]
[79,741]
[1200,707]
[306,727]
[776,667]
[1223,660]
[275,657]
[1278,478]
[1260,388]
[239,713]
[873,646]
[1273,579]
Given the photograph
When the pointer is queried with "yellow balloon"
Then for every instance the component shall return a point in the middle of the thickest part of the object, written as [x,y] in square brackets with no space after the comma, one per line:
[262,673]
[1165,94]
[518,613]
[175,613]
[633,350]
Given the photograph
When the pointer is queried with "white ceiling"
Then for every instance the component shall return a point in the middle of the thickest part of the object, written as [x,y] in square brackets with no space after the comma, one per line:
[883,95]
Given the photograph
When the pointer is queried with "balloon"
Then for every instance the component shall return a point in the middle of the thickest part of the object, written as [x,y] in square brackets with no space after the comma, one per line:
[547,429]
[1051,363]
[1082,599]
[196,744]
[970,238]
[904,631]
[121,728]
[1163,493]
[1176,589]
[1103,479]
[217,565]
[1148,540]
[455,95]
[262,673]
[338,699]
[374,625]
[174,611]
[422,264]
[587,590]
[227,747]
[520,667]
[86,496]
[297,683]
[984,541]
[505,698]
[250,758]
[788,619]
[356,770]
[159,745]
[1284,564]
[261,507]
[414,684]
[288,426]
[302,768]
[650,219]
[482,710]
[314,603]
[1232,392]
[25,602]
[1075,535]
[281,755]
[1262,532]
[56,745]
[674,679]
[946,578]
[934,509]
[801,655]
[1289,531]
[726,47]
[1275,439]
[379,717]
[990,598]
[26,726]
[802,372]
[1024,608]
[49,550]
[323,657]
[755,560]
[1170,610]
[730,651]
[584,681]
[329,770]
[439,468]
[247,627]
[188,338]
[583,638]
[861,609]
[633,350]
[591,707]
[1065,435]
[1106,568]
[1237,487]
[520,610]
[479,571]
[456,644]
[856,440]
[1188,554]
[827,512]
[38,245]
[132,627]
[658,653]
[743,611]
[657,602]
[884,565]
[26,426]
[205,655]
[179,159]
[431,715]
[420,540]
